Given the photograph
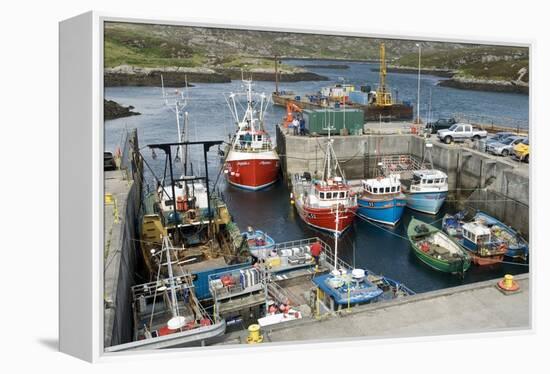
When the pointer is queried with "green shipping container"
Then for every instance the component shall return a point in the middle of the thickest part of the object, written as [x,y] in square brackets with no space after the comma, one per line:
[318,120]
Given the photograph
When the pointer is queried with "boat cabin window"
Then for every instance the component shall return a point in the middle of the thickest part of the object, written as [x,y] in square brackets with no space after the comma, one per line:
[328,195]
[393,189]
[259,138]
[322,195]
[375,190]
[342,195]
[430,181]
[387,190]
[483,238]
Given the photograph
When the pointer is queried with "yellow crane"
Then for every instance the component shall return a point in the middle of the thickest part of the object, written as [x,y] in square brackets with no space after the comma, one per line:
[383,94]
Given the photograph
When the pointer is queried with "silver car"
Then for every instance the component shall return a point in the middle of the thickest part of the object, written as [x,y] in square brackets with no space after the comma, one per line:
[499,137]
[504,148]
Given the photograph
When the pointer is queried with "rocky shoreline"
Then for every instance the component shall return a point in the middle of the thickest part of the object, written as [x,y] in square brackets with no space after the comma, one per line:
[176,77]
[325,66]
[445,73]
[485,85]
[113,110]
[459,82]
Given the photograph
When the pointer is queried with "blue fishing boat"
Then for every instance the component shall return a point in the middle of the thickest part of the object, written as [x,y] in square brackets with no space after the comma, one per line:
[518,247]
[359,286]
[427,191]
[382,200]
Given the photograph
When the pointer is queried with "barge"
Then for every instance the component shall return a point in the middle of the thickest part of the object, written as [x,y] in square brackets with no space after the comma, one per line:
[377,105]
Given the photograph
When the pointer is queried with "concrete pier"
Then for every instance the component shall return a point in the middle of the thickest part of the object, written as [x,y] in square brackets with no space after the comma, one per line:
[472,308]
[121,214]
[496,185]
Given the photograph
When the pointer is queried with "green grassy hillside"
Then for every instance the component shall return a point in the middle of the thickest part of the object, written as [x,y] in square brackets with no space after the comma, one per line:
[144,45]
[481,62]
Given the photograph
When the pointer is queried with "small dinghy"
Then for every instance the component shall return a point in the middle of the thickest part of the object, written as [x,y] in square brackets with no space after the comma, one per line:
[436,249]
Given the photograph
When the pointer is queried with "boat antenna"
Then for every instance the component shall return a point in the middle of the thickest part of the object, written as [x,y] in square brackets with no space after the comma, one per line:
[175,102]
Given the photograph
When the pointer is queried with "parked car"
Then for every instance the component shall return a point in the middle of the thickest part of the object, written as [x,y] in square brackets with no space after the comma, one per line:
[440,124]
[499,137]
[521,151]
[505,147]
[108,161]
[460,132]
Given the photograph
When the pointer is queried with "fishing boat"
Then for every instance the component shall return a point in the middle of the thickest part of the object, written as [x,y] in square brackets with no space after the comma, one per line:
[518,247]
[251,161]
[181,207]
[167,312]
[436,249]
[345,285]
[427,191]
[327,203]
[382,200]
[477,239]
[359,286]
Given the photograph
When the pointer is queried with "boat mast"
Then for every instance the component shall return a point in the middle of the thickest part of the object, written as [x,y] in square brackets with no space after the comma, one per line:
[335,270]
[174,302]
[249,109]
[276,75]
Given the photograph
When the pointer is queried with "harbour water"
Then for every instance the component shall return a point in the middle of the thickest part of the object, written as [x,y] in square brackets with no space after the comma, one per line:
[379,248]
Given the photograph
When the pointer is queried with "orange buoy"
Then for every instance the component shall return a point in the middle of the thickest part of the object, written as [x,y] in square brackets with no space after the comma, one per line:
[508,284]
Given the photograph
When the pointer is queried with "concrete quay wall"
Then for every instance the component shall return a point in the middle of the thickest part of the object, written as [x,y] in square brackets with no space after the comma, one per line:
[477,180]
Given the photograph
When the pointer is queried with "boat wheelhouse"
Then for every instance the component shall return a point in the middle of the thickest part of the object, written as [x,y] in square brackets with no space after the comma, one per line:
[382,200]
[477,239]
[427,191]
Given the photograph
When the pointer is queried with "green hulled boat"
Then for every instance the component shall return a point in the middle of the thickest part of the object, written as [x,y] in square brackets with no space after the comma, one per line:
[436,249]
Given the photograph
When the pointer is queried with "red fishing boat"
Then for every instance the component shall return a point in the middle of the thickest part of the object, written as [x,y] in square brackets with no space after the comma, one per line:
[327,203]
[252,162]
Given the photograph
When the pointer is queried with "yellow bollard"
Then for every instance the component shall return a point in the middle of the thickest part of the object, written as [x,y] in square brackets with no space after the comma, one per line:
[508,281]
[508,284]
[254,334]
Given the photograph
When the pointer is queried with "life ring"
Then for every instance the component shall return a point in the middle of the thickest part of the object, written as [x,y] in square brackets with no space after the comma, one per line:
[403,159]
